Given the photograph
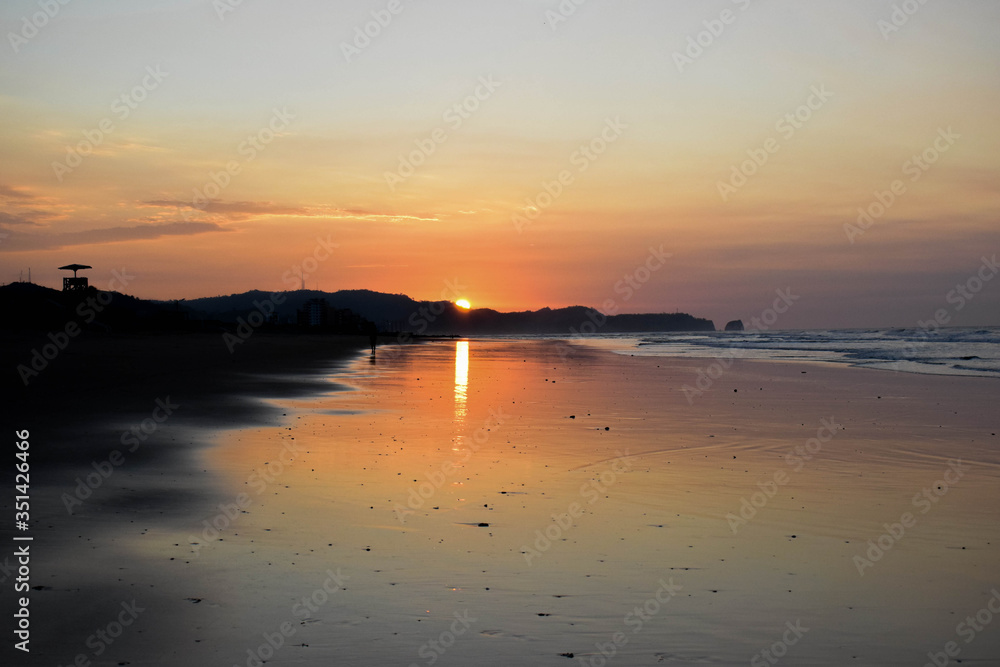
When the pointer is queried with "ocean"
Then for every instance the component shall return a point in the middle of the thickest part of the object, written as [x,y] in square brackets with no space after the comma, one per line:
[972,351]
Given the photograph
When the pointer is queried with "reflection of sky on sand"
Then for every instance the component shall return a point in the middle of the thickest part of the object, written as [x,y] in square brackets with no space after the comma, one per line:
[410,441]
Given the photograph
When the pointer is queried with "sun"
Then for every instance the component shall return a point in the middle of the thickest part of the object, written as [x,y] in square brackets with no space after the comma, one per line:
[463,303]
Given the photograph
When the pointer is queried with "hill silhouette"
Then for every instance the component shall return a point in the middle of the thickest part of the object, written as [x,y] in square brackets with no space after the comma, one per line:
[34,307]
[30,307]
[398,312]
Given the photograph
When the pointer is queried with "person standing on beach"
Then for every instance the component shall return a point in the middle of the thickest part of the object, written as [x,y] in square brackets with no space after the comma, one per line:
[373,336]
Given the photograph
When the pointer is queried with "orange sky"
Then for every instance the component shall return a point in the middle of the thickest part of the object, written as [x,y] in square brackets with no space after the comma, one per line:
[309,138]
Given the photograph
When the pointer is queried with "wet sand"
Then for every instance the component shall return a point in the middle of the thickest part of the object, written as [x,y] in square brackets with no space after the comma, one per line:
[494,502]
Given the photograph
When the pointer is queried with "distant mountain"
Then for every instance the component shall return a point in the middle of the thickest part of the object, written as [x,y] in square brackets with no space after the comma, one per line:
[374,306]
[398,312]
[33,307]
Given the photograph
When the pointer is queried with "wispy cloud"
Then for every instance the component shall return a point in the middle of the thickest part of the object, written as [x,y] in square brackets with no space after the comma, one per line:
[21,242]
[9,192]
[241,210]
[234,209]
[11,219]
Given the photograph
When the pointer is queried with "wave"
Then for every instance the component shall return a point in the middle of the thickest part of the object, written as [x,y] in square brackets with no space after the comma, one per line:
[952,351]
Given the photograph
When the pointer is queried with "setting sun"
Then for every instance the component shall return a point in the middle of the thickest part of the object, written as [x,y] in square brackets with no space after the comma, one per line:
[463,303]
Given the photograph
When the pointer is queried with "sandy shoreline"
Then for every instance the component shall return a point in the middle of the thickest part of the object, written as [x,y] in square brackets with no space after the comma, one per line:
[357,520]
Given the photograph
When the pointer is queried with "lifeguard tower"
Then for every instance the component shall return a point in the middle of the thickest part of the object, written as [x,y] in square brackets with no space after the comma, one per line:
[75,284]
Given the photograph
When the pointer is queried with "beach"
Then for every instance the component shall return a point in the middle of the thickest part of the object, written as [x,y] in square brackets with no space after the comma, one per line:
[116,426]
[522,502]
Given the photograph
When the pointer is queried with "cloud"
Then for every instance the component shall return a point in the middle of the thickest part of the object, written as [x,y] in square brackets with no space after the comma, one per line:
[241,210]
[21,242]
[17,203]
[8,192]
[11,219]
[236,209]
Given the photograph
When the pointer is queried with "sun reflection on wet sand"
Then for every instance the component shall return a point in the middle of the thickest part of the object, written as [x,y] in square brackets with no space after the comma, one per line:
[461,380]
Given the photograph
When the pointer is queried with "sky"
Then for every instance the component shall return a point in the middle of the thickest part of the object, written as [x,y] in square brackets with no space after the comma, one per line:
[636,156]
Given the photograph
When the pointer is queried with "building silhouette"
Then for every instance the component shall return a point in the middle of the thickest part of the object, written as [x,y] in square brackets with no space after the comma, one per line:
[75,284]
[317,314]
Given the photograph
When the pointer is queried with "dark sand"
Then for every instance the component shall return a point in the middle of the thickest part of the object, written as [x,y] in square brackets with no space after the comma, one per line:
[510,434]
[77,411]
